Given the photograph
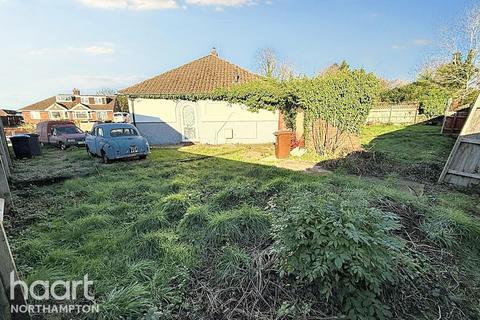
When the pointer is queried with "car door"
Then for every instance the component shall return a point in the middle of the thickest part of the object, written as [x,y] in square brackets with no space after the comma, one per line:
[54,136]
[90,140]
[99,141]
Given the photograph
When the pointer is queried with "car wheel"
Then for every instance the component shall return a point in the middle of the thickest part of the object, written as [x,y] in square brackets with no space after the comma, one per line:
[105,158]
[62,146]
[142,157]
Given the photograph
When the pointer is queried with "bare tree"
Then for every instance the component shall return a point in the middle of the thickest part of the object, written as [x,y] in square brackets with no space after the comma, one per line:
[266,61]
[107,92]
[269,65]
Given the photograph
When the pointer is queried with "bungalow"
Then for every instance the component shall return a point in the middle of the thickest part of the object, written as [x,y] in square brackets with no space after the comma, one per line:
[164,118]
[84,108]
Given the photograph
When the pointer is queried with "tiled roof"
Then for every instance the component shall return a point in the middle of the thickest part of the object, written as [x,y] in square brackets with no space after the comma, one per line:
[44,104]
[8,112]
[197,77]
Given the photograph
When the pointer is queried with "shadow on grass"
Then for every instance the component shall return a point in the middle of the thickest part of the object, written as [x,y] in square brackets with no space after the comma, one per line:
[417,153]
[189,235]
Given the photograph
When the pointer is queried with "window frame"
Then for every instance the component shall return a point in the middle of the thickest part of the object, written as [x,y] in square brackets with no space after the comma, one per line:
[35,115]
[75,112]
[103,113]
[100,100]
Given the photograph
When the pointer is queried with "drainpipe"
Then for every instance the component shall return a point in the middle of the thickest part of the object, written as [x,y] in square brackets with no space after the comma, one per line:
[133,111]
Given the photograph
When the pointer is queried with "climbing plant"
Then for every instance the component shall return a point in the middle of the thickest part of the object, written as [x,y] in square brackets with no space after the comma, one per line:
[339,99]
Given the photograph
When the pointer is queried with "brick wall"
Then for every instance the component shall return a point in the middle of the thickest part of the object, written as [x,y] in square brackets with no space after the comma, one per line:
[44,116]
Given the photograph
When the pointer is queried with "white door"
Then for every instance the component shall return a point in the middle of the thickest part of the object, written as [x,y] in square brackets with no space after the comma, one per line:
[189,124]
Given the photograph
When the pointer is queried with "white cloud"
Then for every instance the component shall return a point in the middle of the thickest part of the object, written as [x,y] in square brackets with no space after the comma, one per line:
[421,42]
[398,47]
[132,4]
[94,50]
[222,3]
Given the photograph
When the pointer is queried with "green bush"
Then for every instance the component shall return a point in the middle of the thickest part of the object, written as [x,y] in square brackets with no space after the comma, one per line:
[340,244]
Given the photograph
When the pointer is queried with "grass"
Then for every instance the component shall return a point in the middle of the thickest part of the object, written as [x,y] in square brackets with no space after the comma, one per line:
[416,153]
[186,233]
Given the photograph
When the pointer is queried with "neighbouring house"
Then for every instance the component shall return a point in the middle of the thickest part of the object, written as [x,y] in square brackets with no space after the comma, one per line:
[11,118]
[163,117]
[74,106]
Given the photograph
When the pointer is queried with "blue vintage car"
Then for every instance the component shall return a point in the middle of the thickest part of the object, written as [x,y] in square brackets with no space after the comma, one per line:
[112,141]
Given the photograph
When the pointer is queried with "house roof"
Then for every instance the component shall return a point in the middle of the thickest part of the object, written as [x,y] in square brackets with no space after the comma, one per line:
[200,76]
[7,112]
[45,104]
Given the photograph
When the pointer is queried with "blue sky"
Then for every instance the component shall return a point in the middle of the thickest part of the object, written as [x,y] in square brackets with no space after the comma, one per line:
[49,47]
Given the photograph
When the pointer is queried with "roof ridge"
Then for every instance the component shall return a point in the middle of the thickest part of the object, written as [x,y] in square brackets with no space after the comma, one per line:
[166,72]
[171,80]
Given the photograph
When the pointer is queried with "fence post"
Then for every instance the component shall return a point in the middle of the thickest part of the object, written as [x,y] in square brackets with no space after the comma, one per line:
[7,267]
[445,114]
[4,186]
[4,153]
[390,114]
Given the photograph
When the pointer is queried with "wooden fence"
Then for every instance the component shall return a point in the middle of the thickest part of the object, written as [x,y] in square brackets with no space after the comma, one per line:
[405,113]
[453,121]
[7,264]
[463,164]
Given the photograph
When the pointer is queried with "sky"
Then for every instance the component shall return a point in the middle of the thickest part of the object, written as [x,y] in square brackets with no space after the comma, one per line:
[52,46]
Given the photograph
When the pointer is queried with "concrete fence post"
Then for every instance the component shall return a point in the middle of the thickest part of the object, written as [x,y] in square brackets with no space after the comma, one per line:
[4,186]
[4,153]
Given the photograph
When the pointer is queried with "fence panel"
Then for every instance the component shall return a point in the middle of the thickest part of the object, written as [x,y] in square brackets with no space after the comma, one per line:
[463,164]
[394,114]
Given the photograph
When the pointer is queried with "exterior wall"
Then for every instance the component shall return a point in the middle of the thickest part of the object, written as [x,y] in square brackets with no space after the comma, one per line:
[28,119]
[45,115]
[217,122]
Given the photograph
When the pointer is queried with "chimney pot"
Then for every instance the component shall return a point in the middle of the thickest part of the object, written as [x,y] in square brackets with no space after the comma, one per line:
[214,52]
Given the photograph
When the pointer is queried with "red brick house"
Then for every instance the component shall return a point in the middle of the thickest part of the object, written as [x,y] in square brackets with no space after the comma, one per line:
[83,108]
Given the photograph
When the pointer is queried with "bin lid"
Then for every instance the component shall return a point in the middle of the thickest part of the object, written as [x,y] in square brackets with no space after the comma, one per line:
[20,136]
[282,132]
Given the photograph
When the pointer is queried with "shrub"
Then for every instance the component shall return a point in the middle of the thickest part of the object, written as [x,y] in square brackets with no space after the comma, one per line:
[340,244]
[245,225]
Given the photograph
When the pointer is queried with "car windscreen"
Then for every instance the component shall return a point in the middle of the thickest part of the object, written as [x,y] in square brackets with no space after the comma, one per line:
[122,132]
[68,130]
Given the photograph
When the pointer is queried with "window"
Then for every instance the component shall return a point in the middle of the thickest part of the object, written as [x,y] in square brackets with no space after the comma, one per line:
[85,100]
[64,98]
[80,114]
[101,115]
[57,115]
[121,132]
[67,130]
[100,132]
[100,100]
[35,115]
